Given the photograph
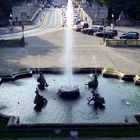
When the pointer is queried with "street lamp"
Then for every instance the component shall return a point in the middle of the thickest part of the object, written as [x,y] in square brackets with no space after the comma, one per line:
[22,41]
[112,25]
[104,28]
[11,22]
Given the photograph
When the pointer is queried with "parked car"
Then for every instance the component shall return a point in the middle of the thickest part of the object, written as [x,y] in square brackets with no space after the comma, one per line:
[80,26]
[94,29]
[84,24]
[113,31]
[85,30]
[104,34]
[77,28]
[130,35]
[77,21]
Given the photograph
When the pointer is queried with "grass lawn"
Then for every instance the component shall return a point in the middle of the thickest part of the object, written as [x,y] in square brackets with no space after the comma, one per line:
[110,70]
[99,132]
[23,69]
[126,132]
[3,125]
[11,42]
[24,134]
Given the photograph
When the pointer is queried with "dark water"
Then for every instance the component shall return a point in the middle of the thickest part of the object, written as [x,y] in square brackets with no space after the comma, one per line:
[121,99]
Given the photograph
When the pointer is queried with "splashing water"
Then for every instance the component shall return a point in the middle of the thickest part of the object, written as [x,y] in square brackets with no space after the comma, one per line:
[68,44]
[69,14]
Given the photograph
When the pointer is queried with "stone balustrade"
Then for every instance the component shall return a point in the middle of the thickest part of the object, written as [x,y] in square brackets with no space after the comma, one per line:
[122,42]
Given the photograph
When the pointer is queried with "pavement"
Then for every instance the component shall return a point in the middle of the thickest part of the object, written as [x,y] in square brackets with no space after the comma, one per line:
[46,46]
[87,52]
[47,50]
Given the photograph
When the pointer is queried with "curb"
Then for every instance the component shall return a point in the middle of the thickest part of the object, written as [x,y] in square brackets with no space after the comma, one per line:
[119,75]
[137,80]
[16,76]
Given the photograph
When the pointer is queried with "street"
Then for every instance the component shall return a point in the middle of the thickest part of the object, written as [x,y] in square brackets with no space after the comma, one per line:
[47,25]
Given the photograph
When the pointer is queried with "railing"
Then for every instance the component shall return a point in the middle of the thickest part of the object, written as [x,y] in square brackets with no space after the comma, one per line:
[123,42]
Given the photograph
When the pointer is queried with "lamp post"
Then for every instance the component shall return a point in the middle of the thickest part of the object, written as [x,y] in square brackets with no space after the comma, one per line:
[104,28]
[11,22]
[22,41]
[95,18]
[112,21]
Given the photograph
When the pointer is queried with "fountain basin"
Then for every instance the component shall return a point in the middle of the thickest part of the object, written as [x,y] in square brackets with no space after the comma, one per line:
[68,92]
[16,99]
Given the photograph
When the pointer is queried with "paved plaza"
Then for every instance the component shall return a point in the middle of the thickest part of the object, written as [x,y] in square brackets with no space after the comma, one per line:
[45,48]
[48,50]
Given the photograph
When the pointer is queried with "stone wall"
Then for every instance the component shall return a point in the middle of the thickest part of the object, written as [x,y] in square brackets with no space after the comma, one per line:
[97,13]
[23,13]
[122,42]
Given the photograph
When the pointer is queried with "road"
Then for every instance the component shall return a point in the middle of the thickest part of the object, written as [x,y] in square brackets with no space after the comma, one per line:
[50,23]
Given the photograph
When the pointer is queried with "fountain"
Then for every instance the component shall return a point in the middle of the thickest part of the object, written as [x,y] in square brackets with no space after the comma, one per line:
[69,91]
[94,82]
[39,100]
[16,98]
[42,82]
[57,110]
[98,100]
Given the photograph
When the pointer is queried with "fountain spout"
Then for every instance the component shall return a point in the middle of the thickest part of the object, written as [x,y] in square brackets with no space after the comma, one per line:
[39,100]
[94,82]
[42,82]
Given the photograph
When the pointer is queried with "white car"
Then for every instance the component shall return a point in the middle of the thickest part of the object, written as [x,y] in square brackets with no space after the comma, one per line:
[77,27]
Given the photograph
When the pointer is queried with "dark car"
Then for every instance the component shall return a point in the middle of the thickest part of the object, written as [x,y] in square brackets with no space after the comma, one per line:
[130,35]
[85,30]
[113,31]
[94,29]
[84,25]
[104,34]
